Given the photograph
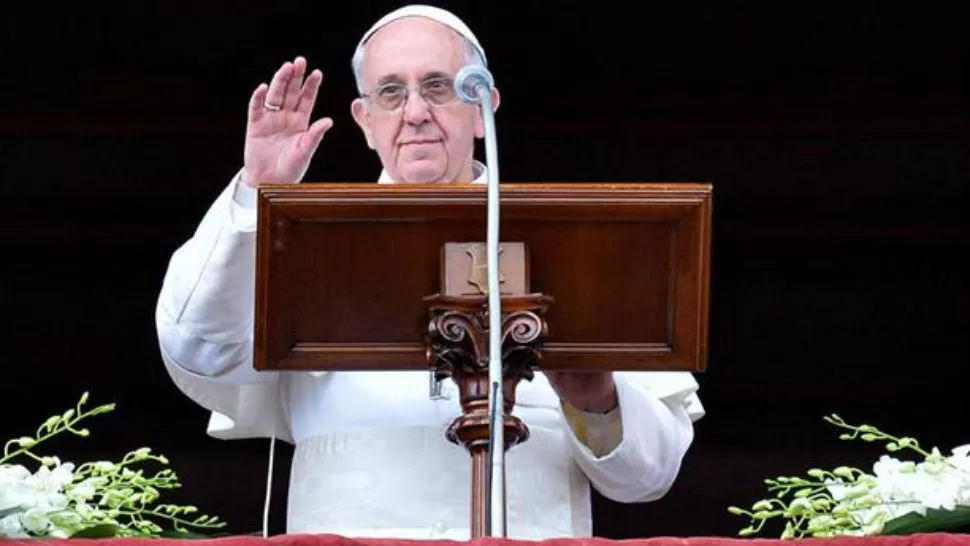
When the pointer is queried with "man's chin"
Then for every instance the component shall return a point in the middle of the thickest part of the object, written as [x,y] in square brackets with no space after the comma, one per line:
[422,174]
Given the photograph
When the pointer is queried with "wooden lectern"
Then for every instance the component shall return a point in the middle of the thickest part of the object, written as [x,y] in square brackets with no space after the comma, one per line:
[392,277]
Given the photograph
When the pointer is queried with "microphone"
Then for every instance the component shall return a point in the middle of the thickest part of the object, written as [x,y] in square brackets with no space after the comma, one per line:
[473,82]
[473,85]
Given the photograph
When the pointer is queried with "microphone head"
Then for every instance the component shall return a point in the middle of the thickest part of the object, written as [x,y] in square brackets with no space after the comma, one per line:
[471,81]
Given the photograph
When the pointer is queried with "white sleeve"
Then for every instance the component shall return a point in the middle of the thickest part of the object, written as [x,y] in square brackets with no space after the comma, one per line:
[204,314]
[657,411]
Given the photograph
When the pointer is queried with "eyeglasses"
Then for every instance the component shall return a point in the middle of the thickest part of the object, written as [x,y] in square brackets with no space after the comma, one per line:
[435,91]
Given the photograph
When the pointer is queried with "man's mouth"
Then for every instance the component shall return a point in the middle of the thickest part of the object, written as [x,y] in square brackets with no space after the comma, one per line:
[419,141]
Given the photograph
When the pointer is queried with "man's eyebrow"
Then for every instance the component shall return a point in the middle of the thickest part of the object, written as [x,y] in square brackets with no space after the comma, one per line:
[389,78]
[394,78]
[436,74]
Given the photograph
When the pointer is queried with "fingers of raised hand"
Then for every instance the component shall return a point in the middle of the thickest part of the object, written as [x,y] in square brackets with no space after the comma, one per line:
[288,91]
[308,93]
[287,88]
[294,82]
[256,101]
[276,94]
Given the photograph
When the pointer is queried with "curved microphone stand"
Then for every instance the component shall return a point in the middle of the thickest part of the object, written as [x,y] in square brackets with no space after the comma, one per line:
[474,85]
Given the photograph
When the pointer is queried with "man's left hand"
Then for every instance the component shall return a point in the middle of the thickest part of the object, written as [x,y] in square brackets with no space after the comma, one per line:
[592,392]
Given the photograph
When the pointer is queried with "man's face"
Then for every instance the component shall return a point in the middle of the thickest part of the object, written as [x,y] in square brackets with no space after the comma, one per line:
[419,141]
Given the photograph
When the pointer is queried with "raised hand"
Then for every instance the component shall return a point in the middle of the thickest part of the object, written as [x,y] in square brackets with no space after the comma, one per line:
[280,141]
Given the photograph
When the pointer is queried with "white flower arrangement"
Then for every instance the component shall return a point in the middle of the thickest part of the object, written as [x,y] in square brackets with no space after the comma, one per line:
[898,497]
[95,499]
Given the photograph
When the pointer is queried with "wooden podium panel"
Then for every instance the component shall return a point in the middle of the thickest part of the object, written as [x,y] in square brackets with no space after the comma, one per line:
[341,271]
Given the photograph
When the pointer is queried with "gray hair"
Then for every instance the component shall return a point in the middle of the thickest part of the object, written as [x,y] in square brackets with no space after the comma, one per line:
[471,54]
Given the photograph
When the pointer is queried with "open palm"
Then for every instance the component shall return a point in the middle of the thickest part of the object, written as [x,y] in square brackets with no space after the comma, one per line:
[280,140]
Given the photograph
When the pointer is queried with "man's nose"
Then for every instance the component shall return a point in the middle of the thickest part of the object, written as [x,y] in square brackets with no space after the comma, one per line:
[416,109]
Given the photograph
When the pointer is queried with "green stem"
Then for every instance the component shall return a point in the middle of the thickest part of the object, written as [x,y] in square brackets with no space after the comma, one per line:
[40,438]
[32,456]
[877,434]
[140,514]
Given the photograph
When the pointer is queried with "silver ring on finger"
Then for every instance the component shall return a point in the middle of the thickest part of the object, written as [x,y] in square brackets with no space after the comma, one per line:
[273,107]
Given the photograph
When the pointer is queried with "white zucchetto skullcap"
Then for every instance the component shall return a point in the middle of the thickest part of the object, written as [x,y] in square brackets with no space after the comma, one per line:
[430,12]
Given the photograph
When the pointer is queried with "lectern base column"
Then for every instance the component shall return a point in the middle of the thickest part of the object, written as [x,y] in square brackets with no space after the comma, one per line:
[458,348]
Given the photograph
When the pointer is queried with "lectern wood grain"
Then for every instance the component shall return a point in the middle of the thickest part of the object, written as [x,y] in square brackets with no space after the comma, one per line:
[342,269]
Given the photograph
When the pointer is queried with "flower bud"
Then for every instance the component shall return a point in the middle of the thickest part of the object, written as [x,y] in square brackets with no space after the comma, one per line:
[761,505]
[799,507]
[141,453]
[821,504]
[843,471]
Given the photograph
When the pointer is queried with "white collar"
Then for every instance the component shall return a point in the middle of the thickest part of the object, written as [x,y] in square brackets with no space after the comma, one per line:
[479,171]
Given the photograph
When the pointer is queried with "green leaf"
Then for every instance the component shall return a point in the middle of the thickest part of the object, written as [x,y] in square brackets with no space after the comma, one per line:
[103,530]
[934,520]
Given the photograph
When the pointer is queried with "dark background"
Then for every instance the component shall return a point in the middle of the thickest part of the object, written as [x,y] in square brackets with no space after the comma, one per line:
[836,139]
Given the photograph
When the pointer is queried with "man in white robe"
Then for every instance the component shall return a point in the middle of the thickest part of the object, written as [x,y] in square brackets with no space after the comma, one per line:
[371,457]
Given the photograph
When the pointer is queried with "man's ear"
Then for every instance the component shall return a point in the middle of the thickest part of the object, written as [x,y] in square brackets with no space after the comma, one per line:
[479,122]
[358,108]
